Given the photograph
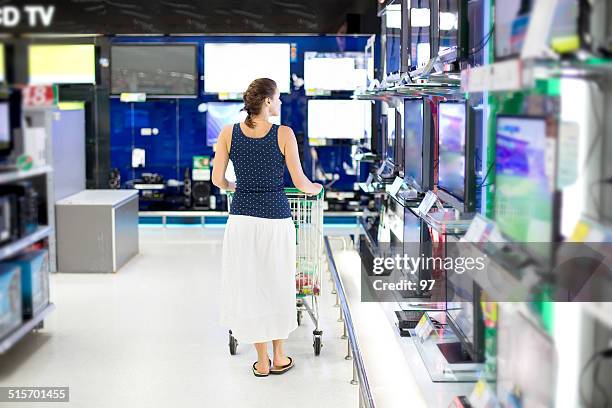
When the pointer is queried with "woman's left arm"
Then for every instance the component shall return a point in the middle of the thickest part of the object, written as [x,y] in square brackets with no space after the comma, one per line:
[221,159]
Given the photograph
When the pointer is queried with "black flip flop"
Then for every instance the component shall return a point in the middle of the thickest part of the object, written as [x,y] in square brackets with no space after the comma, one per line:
[282,369]
[257,373]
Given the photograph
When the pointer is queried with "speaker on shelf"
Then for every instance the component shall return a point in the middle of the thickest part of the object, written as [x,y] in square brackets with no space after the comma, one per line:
[187,187]
[114,179]
[201,194]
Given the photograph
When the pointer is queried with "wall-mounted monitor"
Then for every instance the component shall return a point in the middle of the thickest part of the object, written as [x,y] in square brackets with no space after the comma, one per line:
[337,71]
[420,36]
[61,64]
[413,143]
[391,134]
[231,67]
[511,23]
[524,199]
[339,119]
[2,64]
[220,114]
[154,69]
[5,126]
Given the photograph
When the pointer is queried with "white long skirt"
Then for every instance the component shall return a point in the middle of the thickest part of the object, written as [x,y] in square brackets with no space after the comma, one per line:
[258,282]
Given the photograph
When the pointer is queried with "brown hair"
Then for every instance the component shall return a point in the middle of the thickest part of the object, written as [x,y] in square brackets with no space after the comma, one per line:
[255,95]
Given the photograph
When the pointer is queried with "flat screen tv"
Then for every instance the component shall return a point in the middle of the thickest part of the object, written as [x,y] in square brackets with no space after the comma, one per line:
[420,36]
[452,149]
[511,24]
[338,71]
[339,119]
[231,67]
[61,64]
[413,143]
[220,114]
[393,28]
[154,69]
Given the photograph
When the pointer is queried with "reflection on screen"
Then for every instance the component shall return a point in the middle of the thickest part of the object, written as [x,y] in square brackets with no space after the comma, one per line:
[342,71]
[511,22]
[220,114]
[61,64]
[413,143]
[393,23]
[5,127]
[391,133]
[420,20]
[523,197]
[339,119]
[449,24]
[232,67]
[451,148]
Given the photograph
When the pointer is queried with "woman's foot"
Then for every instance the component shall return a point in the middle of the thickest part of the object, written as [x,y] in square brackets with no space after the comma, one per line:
[261,369]
[281,361]
[281,368]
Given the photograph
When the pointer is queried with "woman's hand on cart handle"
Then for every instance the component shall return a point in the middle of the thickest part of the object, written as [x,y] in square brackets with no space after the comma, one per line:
[231,186]
[319,189]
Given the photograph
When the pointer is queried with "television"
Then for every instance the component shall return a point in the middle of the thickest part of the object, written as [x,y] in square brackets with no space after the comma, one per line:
[511,24]
[2,64]
[339,71]
[5,126]
[339,119]
[571,26]
[61,64]
[420,35]
[220,114]
[414,143]
[392,38]
[10,119]
[452,29]
[391,139]
[524,188]
[154,69]
[455,156]
[231,67]
[370,49]
[465,318]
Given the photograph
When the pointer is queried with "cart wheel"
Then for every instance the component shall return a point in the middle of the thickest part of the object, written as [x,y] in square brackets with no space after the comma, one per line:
[233,344]
[317,344]
[299,317]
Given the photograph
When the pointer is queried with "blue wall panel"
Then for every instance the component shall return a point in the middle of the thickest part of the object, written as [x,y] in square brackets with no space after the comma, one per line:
[182,128]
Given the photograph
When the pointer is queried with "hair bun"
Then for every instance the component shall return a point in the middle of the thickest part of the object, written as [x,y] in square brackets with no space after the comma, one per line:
[255,95]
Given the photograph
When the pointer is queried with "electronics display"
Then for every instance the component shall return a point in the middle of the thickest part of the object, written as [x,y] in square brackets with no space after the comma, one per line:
[524,187]
[464,315]
[220,114]
[34,267]
[369,58]
[420,22]
[566,32]
[200,191]
[452,148]
[393,26]
[154,69]
[5,126]
[341,71]
[61,64]
[2,64]
[413,143]
[516,358]
[511,23]
[6,220]
[23,201]
[231,67]
[448,24]
[10,299]
[339,119]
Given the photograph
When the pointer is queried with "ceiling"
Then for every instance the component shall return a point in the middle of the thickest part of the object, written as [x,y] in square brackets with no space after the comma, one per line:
[207,16]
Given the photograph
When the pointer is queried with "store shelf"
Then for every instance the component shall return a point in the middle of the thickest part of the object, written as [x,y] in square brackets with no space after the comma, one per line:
[27,326]
[14,248]
[12,176]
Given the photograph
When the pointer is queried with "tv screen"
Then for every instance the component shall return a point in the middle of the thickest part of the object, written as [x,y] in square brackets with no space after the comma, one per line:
[449,24]
[451,148]
[155,69]
[420,21]
[523,191]
[511,23]
[413,143]
[2,62]
[5,126]
[61,64]
[391,134]
[393,24]
[341,71]
[565,33]
[220,114]
[339,119]
[231,67]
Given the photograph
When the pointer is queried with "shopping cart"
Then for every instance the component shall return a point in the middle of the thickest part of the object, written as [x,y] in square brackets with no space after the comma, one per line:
[307,214]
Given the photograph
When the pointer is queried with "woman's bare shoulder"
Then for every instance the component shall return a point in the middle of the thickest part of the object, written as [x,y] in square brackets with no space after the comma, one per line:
[285,132]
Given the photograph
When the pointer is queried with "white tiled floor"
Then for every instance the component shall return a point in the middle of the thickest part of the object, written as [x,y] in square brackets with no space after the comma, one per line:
[148,337]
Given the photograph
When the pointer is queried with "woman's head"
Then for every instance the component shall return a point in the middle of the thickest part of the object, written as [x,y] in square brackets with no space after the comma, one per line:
[261,95]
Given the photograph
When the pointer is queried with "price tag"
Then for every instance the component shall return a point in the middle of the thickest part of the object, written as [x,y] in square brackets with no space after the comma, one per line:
[396,186]
[39,95]
[428,202]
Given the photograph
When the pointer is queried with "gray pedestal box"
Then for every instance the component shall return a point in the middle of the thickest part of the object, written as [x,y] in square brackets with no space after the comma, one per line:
[97,230]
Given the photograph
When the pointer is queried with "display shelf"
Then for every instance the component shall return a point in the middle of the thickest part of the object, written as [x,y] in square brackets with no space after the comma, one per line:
[14,248]
[601,311]
[27,326]
[12,176]
[444,225]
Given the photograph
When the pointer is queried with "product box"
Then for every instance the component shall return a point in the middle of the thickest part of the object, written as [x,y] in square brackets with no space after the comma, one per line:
[34,280]
[10,299]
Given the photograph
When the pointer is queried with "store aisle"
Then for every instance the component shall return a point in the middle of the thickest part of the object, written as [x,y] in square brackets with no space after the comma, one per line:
[149,337]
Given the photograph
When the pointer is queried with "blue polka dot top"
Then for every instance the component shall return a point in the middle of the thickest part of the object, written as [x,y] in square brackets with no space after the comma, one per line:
[260,167]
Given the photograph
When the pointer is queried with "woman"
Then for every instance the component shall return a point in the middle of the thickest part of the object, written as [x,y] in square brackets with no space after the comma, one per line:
[258,284]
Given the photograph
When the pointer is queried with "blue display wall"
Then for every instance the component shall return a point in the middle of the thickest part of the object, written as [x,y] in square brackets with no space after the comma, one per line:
[182,127]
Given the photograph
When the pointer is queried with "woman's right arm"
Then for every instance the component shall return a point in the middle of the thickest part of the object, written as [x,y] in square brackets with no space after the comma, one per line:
[292,158]
[221,159]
